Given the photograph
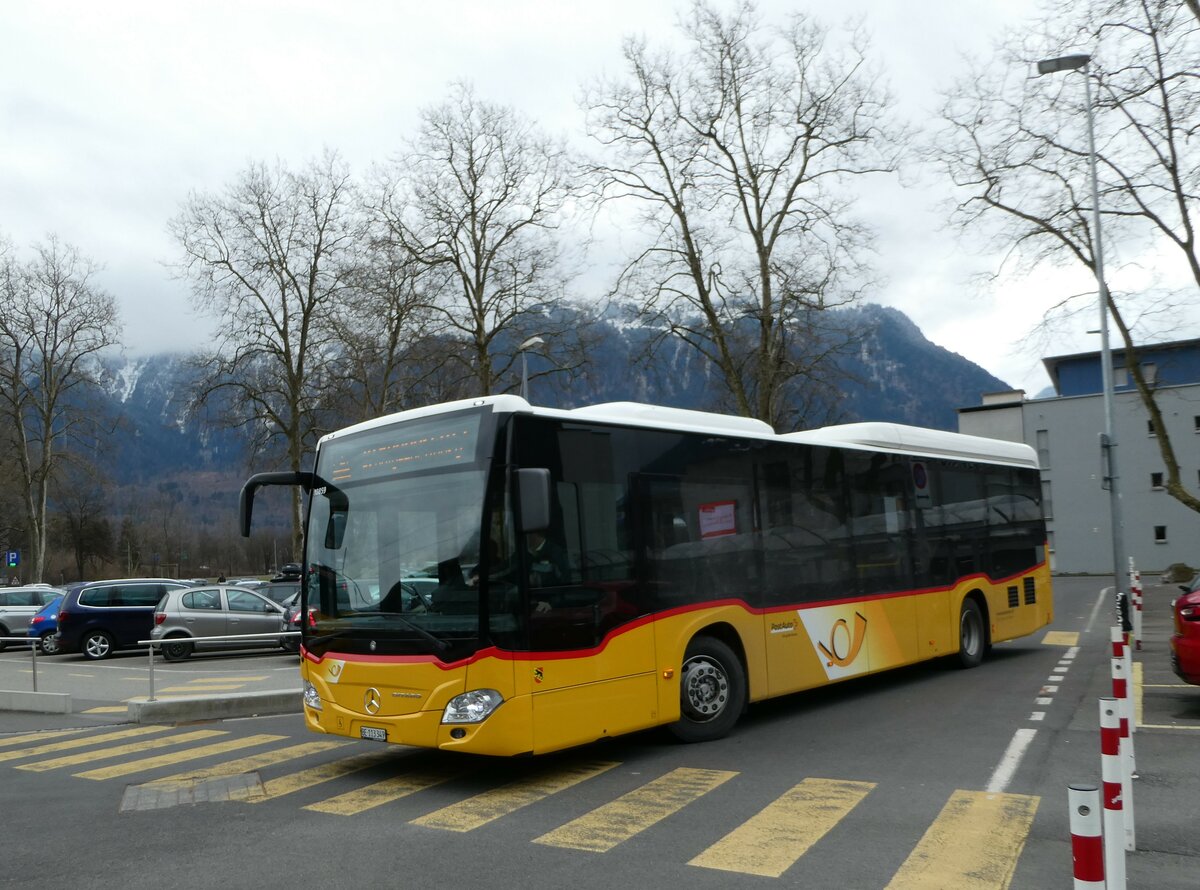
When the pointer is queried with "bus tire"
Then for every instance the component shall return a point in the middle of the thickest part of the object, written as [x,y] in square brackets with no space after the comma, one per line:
[972,634]
[712,691]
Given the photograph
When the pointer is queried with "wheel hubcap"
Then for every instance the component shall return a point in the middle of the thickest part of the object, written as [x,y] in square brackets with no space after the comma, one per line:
[970,633]
[705,688]
[97,647]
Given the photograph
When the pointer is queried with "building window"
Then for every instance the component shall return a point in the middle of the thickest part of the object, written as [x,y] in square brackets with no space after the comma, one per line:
[1160,534]
[1047,501]
[1150,373]
[1043,449]
[1196,422]
[1156,480]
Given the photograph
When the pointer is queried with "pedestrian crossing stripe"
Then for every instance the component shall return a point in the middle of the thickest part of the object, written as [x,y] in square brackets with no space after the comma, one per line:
[247,764]
[38,736]
[771,842]
[80,743]
[973,844]
[121,750]
[317,775]
[1060,638]
[629,815]
[483,808]
[149,763]
[214,687]
[378,793]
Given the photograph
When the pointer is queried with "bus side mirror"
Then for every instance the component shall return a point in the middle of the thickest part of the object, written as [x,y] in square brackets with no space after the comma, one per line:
[339,509]
[533,489]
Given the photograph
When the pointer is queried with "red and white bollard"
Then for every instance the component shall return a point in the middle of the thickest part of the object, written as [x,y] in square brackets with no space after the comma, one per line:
[1135,603]
[1110,771]
[1124,708]
[1087,843]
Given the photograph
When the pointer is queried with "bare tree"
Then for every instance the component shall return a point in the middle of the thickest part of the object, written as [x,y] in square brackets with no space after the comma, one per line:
[738,153]
[474,202]
[54,321]
[1016,147]
[269,257]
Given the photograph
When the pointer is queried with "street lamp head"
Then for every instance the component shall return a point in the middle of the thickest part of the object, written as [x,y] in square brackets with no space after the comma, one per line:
[1063,63]
[530,343]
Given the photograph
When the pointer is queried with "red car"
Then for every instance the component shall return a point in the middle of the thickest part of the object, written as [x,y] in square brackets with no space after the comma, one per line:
[1185,642]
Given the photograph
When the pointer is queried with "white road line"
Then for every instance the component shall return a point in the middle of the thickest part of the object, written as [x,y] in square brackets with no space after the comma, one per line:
[1105,593]
[1055,678]
[1043,701]
[1038,715]
[1004,771]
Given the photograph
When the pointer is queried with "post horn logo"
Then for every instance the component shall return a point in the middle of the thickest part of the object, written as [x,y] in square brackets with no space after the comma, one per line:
[840,638]
[537,675]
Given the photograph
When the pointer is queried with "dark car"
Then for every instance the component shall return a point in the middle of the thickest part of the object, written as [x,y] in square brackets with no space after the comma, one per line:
[1185,641]
[279,591]
[104,616]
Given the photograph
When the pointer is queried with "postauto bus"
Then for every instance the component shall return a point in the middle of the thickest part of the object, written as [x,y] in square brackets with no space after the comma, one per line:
[495,578]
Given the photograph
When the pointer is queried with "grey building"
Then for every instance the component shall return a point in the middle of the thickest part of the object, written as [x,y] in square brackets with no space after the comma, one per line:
[1065,429]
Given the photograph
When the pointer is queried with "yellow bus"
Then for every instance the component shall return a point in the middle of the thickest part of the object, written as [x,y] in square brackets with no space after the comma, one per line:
[490,577]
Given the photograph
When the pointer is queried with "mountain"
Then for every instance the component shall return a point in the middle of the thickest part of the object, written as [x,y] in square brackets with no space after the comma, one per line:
[891,373]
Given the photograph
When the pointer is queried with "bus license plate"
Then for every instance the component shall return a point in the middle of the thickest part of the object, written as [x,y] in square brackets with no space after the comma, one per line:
[374,733]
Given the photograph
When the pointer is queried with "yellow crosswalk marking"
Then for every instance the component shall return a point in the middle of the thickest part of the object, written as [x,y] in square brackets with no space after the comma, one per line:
[215,687]
[605,827]
[81,743]
[110,709]
[148,763]
[318,774]
[483,808]
[771,842]
[40,766]
[973,844]
[379,793]
[38,736]
[248,764]
[1060,638]
[224,679]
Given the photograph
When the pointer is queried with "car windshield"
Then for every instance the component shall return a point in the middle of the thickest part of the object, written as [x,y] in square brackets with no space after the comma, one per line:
[391,550]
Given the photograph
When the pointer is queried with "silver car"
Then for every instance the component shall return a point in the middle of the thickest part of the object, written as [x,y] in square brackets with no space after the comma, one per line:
[18,605]
[218,611]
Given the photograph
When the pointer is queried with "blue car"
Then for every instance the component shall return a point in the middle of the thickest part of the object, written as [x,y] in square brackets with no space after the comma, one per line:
[44,625]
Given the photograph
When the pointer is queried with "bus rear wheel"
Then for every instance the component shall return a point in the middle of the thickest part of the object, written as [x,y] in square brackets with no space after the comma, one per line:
[712,691]
[972,635]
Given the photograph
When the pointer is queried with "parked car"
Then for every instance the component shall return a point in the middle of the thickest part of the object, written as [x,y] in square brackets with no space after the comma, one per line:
[99,618]
[217,611]
[44,625]
[1185,641]
[18,605]
[279,591]
[292,604]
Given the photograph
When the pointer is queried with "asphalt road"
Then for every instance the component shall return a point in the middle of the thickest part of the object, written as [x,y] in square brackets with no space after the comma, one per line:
[880,782]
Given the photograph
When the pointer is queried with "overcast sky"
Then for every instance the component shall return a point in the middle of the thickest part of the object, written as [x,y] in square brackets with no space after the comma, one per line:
[111,113]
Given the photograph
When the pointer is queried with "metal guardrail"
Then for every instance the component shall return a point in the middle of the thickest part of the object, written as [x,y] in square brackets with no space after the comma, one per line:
[32,642]
[277,635]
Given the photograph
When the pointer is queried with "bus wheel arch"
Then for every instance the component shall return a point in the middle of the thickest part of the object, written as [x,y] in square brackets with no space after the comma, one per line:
[973,638]
[713,690]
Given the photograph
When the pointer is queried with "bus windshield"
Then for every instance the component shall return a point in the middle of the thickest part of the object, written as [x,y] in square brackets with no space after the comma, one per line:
[393,552]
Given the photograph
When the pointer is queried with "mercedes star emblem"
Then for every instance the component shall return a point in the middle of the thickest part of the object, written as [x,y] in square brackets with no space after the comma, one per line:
[372,701]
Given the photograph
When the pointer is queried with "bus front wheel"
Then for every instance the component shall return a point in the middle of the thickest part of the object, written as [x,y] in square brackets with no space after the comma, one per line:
[712,691]
[972,635]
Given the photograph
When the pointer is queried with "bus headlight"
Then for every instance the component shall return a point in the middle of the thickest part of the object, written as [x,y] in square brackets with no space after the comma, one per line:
[312,698]
[472,707]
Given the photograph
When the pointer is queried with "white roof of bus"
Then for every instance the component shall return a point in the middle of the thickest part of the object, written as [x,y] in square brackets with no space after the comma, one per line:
[893,437]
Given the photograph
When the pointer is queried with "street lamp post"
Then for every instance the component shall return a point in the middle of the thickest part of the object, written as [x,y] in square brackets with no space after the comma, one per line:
[1108,441]
[528,344]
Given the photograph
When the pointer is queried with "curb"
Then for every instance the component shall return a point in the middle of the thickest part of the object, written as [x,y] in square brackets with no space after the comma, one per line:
[212,707]
[36,702]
